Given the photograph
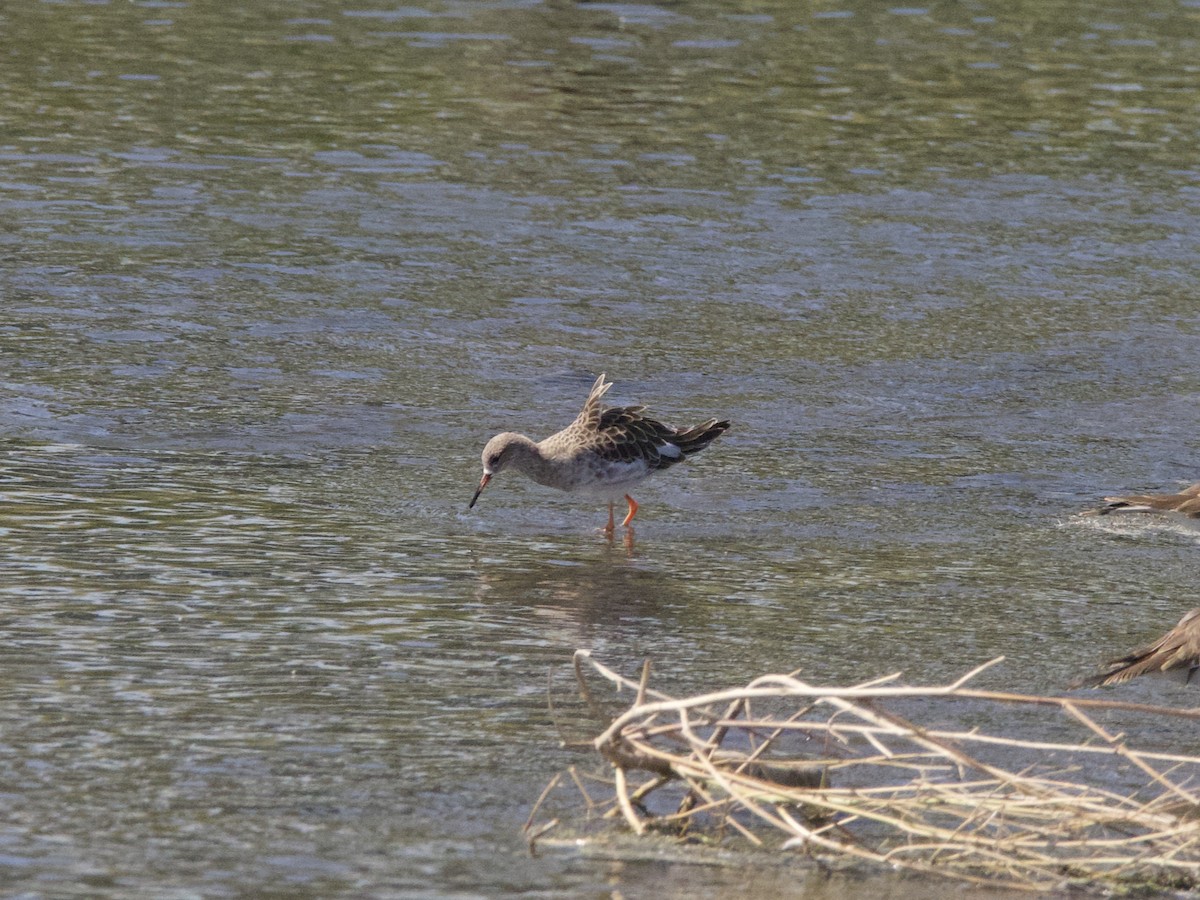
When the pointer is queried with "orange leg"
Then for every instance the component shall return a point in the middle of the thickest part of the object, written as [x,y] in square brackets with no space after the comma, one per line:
[633,508]
[608,529]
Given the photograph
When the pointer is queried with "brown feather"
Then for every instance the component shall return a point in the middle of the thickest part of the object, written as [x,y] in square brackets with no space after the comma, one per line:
[1179,648]
[1186,502]
[589,417]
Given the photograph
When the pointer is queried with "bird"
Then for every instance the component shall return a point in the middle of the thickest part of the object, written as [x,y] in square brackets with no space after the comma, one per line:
[1177,651]
[1185,503]
[604,452]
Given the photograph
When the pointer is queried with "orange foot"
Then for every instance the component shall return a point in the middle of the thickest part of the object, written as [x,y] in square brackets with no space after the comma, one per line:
[608,529]
[633,508]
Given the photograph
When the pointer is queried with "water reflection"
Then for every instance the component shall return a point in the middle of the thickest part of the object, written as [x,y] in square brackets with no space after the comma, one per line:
[576,598]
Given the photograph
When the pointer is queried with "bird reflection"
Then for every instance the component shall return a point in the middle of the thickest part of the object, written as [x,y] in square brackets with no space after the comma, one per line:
[580,593]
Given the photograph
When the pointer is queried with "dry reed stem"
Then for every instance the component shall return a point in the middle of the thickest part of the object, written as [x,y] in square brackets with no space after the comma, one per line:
[903,794]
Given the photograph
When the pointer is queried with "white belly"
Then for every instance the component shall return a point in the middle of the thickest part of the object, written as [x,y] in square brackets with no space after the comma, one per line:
[601,478]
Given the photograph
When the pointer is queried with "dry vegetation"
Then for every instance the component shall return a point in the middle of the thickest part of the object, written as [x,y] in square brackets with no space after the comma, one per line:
[838,773]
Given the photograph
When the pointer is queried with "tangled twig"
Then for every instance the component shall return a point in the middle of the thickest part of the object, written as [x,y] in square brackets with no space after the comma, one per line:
[839,772]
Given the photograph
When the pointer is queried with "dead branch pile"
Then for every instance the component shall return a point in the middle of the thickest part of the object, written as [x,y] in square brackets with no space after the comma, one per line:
[840,773]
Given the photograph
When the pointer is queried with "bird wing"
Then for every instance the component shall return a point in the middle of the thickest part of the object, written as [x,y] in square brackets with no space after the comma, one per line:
[1186,501]
[589,417]
[625,435]
[1178,648]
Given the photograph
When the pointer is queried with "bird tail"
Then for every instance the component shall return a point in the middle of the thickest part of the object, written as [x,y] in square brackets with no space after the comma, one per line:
[695,439]
[1103,679]
[1145,503]
[1119,504]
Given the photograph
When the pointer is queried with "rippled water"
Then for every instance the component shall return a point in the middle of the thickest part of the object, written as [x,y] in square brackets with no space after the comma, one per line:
[273,273]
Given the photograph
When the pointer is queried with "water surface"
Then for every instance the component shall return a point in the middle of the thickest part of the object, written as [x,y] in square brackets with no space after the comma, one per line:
[274,273]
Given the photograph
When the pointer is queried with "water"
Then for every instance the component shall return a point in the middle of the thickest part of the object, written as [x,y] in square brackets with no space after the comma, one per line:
[274,273]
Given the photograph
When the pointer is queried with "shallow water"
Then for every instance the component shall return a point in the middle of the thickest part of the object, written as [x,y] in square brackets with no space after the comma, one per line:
[274,274]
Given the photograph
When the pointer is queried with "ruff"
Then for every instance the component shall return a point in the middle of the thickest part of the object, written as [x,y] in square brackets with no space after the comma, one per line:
[604,452]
